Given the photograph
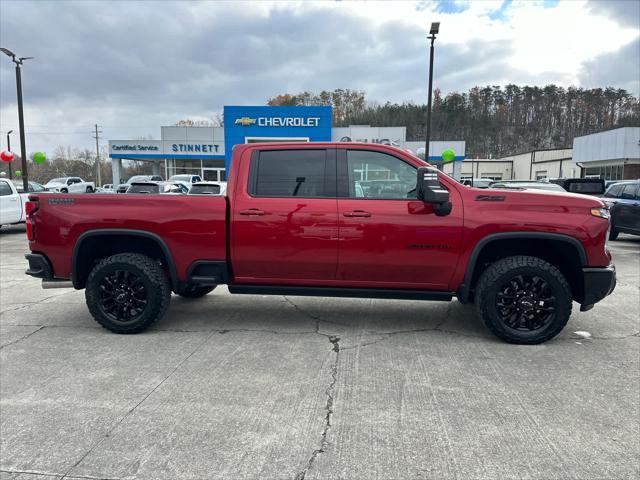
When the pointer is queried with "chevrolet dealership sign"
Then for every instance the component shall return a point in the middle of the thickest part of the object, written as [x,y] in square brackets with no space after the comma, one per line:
[279,121]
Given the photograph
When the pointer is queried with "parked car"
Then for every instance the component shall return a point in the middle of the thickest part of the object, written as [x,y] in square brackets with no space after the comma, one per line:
[106,188]
[158,187]
[478,182]
[623,199]
[11,203]
[70,185]
[189,179]
[291,225]
[123,187]
[208,188]
[534,185]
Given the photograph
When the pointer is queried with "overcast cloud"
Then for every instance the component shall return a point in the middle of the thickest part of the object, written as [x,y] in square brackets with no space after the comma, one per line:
[132,67]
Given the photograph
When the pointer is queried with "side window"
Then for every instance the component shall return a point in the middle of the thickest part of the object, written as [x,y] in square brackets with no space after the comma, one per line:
[629,191]
[5,189]
[614,192]
[288,173]
[377,175]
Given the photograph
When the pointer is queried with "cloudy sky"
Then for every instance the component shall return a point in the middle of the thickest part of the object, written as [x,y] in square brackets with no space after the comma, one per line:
[133,66]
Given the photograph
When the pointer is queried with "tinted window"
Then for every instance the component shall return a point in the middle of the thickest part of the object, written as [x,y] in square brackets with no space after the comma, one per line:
[629,191]
[289,173]
[378,175]
[5,189]
[205,190]
[143,189]
[614,191]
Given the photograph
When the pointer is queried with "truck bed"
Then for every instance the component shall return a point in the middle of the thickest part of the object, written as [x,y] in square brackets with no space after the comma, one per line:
[192,227]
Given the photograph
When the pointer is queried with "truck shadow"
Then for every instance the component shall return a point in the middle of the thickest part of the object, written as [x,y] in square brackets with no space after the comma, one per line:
[331,316]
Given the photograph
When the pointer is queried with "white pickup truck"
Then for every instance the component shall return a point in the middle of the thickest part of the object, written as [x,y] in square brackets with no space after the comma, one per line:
[70,185]
[11,203]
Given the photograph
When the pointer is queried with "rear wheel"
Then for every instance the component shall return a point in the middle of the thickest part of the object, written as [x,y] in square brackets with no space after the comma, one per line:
[128,292]
[523,300]
[64,190]
[194,291]
[89,190]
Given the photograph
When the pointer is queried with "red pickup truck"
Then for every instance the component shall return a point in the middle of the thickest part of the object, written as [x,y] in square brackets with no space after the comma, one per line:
[330,219]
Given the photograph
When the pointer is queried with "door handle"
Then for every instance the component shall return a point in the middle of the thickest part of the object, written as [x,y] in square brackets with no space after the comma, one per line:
[357,213]
[252,211]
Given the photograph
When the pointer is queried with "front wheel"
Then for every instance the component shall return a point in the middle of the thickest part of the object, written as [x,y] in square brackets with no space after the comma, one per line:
[64,190]
[128,292]
[194,291]
[523,300]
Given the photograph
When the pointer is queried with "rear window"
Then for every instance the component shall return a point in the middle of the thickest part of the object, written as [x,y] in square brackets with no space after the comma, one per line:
[205,190]
[288,173]
[584,187]
[143,189]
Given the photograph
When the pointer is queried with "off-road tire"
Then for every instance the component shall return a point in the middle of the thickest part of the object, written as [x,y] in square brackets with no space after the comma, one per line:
[152,277]
[496,277]
[194,291]
[613,233]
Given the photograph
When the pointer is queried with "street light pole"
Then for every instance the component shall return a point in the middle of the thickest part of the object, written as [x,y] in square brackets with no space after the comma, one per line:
[23,147]
[9,149]
[435,28]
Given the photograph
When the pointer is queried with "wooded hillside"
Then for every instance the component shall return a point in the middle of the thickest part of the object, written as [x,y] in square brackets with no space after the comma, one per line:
[494,121]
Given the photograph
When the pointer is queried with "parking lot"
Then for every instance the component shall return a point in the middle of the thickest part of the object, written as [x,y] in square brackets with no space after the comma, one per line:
[277,387]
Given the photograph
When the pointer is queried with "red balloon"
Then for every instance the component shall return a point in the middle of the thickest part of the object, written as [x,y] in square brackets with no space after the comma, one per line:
[6,156]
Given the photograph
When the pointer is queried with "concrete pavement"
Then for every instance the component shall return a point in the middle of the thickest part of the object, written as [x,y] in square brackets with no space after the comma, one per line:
[235,387]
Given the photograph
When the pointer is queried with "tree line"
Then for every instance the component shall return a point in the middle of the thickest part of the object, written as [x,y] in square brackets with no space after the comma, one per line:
[494,121]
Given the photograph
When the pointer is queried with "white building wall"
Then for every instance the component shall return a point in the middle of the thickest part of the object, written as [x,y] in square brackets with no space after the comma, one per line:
[618,144]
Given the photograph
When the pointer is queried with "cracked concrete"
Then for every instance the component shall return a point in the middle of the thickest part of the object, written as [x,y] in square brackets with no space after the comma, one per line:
[310,388]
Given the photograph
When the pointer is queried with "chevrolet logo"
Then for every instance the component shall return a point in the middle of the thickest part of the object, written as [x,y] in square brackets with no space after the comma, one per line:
[245,121]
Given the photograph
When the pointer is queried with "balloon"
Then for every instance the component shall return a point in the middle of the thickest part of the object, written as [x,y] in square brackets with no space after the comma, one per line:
[6,156]
[38,157]
[17,173]
[448,155]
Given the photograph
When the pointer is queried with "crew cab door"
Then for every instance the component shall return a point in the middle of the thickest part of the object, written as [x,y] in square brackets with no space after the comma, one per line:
[10,203]
[388,238]
[284,218]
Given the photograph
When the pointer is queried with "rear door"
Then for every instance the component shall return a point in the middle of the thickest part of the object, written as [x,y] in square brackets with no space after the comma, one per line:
[388,238]
[285,218]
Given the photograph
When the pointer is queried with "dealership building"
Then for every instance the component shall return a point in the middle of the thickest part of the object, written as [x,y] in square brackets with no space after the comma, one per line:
[206,151]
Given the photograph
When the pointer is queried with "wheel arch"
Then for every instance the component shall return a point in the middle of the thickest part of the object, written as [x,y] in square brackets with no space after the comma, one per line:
[569,256]
[94,245]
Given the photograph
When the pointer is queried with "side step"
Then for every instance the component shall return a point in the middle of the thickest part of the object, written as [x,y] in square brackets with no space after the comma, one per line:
[341,292]
[57,283]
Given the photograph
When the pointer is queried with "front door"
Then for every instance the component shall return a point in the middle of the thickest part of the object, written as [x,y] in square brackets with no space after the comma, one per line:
[388,238]
[285,219]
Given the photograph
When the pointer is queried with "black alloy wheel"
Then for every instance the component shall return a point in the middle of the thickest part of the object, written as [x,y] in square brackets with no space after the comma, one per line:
[123,296]
[526,302]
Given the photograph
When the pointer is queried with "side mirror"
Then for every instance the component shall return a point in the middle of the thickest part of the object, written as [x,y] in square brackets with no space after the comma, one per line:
[430,191]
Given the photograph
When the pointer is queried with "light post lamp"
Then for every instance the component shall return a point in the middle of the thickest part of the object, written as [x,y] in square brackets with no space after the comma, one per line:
[435,28]
[8,150]
[23,149]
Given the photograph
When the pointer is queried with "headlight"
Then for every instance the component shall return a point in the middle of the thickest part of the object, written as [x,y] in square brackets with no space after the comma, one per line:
[601,212]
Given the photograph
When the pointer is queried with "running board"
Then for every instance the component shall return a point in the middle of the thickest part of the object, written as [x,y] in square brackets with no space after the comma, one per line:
[341,292]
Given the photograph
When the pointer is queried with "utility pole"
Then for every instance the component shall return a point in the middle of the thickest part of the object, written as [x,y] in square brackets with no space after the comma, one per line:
[97,137]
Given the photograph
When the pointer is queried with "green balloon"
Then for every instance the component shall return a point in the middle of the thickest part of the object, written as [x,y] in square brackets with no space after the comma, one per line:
[448,155]
[39,157]
[17,173]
